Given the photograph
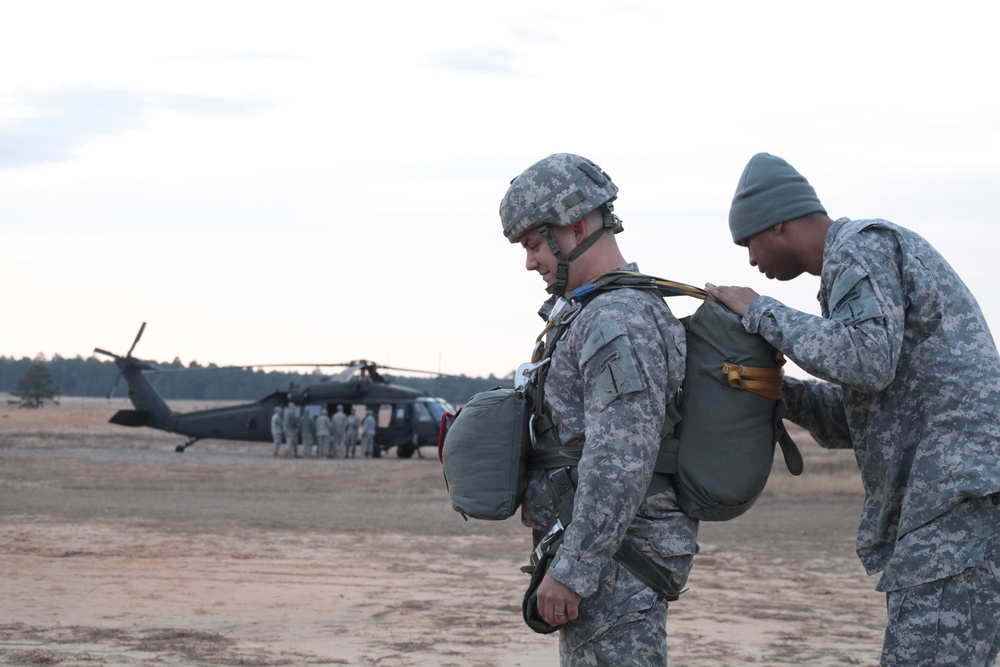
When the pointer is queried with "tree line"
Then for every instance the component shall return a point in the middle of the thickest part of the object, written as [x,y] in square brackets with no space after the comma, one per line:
[95,377]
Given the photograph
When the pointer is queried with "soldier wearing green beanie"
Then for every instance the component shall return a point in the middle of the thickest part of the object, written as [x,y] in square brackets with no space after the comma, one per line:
[770,191]
[911,381]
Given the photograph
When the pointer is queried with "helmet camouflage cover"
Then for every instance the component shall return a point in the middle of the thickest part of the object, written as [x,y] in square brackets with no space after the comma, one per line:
[558,190]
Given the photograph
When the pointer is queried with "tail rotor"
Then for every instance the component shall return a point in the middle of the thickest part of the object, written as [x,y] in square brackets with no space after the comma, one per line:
[122,362]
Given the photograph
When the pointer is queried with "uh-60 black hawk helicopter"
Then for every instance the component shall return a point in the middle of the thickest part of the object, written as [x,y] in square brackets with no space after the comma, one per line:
[407,419]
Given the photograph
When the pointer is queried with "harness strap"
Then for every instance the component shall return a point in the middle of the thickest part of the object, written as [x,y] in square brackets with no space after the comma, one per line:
[563,489]
[660,579]
[566,458]
[543,431]
[764,382]
[559,457]
[791,453]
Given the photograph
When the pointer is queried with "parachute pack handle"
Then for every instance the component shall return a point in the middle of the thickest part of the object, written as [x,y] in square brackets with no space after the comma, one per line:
[446,419]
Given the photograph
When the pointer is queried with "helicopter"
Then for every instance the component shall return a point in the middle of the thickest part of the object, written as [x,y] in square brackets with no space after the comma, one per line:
[407,419]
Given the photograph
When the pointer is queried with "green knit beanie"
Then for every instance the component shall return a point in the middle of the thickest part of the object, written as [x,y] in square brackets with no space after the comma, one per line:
[770,191]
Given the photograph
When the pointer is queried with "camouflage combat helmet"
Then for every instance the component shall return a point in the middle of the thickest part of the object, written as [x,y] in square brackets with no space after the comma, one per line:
[558,190]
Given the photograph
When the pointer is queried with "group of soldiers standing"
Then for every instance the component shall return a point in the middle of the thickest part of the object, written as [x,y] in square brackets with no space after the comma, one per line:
[335,437]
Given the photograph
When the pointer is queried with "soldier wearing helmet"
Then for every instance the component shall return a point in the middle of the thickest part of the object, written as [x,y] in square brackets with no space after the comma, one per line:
[557,192]
[607,385]
[277,430]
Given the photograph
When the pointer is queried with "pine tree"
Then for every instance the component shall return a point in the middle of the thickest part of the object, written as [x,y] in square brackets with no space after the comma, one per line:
[36,386]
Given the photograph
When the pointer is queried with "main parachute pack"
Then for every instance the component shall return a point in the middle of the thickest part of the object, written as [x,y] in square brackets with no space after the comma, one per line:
[727,420]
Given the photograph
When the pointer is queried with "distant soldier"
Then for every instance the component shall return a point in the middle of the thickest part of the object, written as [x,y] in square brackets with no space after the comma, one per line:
[339,420]
[324,429]
[351,436]
[307,431]
[291,431]
[368,435]
[277,431]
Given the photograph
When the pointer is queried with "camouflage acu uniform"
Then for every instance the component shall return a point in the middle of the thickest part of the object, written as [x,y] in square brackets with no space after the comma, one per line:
[339,420]
[324,429]
[291,425]
[368,446]
[307,431]
[914,387]
[277,431]
[351,434]
[610,379]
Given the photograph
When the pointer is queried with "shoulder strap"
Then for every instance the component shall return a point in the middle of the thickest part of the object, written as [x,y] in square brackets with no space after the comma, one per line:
[542,428]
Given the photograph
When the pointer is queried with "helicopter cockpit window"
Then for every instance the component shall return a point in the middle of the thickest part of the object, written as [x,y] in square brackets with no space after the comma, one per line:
[437,407]
[421,413]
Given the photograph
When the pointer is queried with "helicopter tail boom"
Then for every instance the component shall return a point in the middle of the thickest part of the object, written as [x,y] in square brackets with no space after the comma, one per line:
[131,418]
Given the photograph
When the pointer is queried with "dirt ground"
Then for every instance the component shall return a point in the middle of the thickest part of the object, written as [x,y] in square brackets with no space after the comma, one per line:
[118,551]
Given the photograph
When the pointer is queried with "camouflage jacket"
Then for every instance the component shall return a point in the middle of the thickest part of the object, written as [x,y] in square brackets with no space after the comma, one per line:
[339,421]
[323,425]
[913,384]
[618,366]
[307,424]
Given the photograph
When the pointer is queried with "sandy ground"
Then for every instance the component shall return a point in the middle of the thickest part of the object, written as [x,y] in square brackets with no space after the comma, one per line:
[118,551]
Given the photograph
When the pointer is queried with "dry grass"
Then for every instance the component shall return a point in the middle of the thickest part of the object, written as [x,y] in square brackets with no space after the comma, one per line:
[120,552]
[84,421]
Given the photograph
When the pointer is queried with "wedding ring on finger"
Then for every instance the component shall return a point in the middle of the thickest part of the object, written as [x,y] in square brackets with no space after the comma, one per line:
[559,613]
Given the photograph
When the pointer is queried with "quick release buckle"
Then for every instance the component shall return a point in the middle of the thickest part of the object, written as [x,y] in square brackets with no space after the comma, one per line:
[553,533]
[524,372]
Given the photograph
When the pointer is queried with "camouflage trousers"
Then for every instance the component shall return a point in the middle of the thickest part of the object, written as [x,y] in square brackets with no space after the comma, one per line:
[953,621]
[323,448]
[291,444]
[623,623]
[337,446]
[307,444]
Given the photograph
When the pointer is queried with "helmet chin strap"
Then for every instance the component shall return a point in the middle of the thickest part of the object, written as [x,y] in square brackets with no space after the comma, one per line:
[562,268]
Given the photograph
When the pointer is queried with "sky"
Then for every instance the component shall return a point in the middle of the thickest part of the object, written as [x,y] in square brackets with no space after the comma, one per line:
[316,182]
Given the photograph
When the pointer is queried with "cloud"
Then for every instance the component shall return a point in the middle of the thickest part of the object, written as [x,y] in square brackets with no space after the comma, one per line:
[241,57]
[62,120]
[527,34]
[475,61]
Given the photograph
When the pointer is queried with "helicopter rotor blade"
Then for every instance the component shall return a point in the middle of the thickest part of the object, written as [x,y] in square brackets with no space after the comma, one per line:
[352,363]
[369,366]
[410,370]
[98,350]
[136,341]
[118,378]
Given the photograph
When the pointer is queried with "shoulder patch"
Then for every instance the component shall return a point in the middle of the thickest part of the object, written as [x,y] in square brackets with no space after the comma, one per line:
[852,298]
[608,358]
